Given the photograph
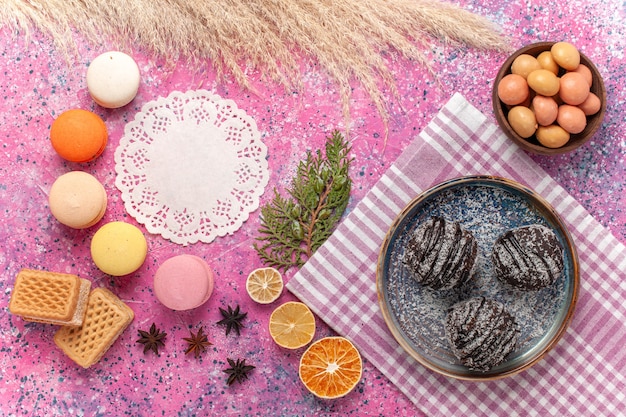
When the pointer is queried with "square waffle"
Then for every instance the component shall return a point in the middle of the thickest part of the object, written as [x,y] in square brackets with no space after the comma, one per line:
[105,319]
[49,297]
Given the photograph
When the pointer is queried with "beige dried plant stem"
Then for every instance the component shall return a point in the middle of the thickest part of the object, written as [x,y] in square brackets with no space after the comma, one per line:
[350,39]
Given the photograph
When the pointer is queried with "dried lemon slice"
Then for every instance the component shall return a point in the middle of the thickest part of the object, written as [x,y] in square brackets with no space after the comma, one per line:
[292,325]
[264,285]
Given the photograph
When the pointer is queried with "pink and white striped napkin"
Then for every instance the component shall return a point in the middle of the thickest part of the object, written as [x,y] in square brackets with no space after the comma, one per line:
[585,372]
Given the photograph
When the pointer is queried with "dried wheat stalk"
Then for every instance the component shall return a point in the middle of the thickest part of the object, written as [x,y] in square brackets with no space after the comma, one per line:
[348,38]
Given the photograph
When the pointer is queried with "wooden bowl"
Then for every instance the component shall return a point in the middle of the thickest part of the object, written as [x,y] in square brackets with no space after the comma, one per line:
[531,144]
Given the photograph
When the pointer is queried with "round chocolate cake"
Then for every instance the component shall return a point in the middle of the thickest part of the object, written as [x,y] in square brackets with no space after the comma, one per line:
[440,254]
[481,332]
[528,258]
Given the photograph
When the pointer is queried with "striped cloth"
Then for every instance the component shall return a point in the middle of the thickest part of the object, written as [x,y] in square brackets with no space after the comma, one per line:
[585,374]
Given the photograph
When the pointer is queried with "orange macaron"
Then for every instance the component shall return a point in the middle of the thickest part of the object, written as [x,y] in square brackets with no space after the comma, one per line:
[78,135]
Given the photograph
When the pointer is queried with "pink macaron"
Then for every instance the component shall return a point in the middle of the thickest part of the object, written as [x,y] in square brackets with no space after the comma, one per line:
[183,282]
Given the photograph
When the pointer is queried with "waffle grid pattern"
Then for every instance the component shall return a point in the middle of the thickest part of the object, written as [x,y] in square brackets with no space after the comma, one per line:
[45,295]
[106,317]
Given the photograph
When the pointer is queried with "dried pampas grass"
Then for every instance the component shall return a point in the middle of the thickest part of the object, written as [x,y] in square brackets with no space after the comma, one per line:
[348,38]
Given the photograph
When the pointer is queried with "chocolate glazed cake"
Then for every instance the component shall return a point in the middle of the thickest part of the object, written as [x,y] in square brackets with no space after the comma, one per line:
[440,254]
[528,258]
[481,332]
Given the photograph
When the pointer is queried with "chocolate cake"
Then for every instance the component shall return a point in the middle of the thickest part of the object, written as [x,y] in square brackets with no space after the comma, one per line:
[481,332]
[528,258]
[440,254]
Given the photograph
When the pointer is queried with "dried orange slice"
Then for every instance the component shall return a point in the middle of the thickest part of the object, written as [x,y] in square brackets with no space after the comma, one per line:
[264,285]
[331,367]
[292,325]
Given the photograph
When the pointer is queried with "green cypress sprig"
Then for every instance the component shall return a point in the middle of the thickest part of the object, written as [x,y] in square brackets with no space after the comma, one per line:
[293,228]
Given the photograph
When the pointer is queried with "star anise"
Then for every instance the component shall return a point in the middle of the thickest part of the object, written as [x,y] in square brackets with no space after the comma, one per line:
[232,319]
[197,343]
[238,370]
[151,340]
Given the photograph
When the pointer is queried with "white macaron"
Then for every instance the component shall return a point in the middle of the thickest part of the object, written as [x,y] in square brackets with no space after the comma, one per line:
[113,79]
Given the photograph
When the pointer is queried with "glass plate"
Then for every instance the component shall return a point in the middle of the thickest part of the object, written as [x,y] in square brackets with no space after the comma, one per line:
[487,206]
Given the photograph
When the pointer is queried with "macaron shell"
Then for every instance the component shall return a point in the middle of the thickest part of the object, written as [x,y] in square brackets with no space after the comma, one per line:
[118,248]
[113,79]
[183,282]
[210,280]
[78,135]
[77,199]
[98,217]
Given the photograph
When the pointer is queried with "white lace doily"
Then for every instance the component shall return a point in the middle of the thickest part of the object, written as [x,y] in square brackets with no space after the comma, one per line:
[191,167]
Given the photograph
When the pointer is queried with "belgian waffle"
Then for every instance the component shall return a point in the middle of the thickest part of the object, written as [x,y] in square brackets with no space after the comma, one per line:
[105,319]
[49,297]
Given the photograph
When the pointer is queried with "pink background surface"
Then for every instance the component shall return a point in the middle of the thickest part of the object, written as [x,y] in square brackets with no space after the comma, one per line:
[37,85]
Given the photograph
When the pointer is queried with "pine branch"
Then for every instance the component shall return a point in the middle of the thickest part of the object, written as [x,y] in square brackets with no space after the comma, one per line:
[293,228]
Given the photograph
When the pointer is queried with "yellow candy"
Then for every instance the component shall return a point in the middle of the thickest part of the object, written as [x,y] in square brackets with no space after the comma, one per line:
[543,82]
[523,121]
[566,55]
[553,136]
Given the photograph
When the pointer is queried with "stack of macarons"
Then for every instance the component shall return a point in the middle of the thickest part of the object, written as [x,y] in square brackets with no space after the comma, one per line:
[79,135]
[77,199]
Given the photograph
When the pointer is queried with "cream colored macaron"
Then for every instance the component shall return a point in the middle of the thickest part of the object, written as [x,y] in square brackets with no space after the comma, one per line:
[113,79]
[77,199]
[118,248]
